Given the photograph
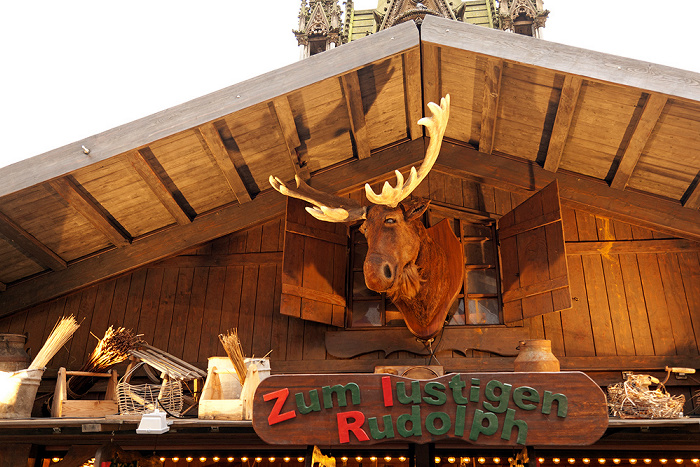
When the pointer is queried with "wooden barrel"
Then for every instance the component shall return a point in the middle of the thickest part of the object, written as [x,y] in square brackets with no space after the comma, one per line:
[13,357]
[536,355]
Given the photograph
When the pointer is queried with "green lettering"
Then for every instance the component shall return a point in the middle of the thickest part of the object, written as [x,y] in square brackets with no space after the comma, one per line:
[435,389]
[460,415]
[374,430]
[456,384]
[314,406]
[341,393]
[414,418]
[508,425]
[562,404]
[414,398]
[526,394]
[501,398]
[430,423]
[478,425]
[474,390]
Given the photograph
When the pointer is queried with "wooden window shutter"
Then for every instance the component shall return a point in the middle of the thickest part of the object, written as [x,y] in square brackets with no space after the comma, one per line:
[314,267]
[535,276]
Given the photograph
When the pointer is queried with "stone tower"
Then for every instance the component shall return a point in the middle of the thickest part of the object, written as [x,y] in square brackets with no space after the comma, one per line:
[320,26]
[524,17]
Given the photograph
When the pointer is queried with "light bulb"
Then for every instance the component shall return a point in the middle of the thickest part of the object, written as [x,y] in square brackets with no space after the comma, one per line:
[175,459]
[616,461]
[358,458]
[202,459]
[189,459]
[601,460]
[258,459]
[451,460]
[215,459]
[373,458]
[481,460]
[571,460]
[679,461]
[540,460]
[437,460]
[287,459]
[300,459]
[496,460]
[387,458]
[556,460]
[402,459]
[586,460]
[230,459]
[663,461]
[633,461]
[244,459]
[647,461]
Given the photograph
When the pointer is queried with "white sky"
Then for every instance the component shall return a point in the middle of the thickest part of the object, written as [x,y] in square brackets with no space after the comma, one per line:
[71,69]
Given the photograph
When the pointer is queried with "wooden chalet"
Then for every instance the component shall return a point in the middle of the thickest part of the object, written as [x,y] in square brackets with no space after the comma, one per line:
[168,226]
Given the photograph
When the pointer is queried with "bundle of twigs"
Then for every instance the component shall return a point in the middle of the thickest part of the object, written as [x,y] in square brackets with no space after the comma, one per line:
[634,399]
[113,348]
[60,334]
[234,350]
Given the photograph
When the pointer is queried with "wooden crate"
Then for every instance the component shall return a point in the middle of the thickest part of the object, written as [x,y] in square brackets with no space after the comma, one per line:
[223,401]
[62,407]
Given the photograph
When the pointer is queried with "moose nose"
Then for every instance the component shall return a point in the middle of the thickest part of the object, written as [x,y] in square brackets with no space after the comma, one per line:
[387,271]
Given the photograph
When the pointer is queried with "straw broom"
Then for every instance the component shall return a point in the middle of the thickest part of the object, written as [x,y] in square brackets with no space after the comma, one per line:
[234,350]
[60,334]
[113,348]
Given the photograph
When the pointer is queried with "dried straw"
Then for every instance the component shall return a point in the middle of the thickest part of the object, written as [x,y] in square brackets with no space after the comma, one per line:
[234,350]
[634,399]
[113,348]
[60,334]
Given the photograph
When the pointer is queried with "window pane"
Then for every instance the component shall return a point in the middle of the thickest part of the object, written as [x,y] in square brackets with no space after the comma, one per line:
[476,230]
[483,311]
[366,313]
[457,312]
[359,255]
[393,315]
[482,281]
[359,288]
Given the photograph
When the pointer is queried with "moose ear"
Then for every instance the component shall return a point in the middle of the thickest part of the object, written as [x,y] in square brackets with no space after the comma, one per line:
[414,208]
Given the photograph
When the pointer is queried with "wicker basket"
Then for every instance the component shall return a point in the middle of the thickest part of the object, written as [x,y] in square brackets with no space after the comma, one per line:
[136,399]
[634,399]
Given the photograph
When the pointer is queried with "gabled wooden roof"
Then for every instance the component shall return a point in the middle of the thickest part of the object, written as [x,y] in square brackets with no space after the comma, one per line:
[621,136]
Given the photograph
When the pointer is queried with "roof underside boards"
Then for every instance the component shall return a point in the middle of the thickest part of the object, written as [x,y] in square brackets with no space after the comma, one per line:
[621,136]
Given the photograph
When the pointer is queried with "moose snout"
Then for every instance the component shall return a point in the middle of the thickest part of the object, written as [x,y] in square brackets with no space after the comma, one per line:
[379,273]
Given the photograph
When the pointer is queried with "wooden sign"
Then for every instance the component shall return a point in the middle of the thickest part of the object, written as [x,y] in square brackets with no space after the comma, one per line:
[494,409]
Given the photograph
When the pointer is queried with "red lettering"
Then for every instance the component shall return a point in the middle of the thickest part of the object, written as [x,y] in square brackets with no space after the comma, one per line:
[345,426]
[275,415]
[386,390]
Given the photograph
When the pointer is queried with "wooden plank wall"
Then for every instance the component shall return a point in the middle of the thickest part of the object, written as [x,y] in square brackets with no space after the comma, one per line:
[636,305]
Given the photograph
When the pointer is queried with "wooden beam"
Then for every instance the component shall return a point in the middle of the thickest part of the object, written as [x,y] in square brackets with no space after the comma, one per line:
[157,186]
[28,245]
[233,259]
[647,121]
[616,247]
[69,191]
[283,111]
[213,142]
[432,87]
[692,199]
[594,196]
[562,122]
[224,221]
[413,92]
[356,113]
[142,132]
[561,58]
[3,287]
[489,109]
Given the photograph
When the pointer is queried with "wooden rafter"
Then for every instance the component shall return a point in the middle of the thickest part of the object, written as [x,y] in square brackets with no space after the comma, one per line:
[562,122]
[693,199]
[28,245]
[647,121]
[72,194]
[202,229]
[157,186]
[218,150]
[356,113]
[283,111]
[489,110]
[629,206]
[3,287]
[412,92]
[432,87]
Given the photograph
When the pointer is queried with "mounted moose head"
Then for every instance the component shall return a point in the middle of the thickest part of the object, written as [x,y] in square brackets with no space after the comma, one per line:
[420,269]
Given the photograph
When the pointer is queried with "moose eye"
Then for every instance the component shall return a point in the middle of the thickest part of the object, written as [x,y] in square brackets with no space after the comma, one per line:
[390,220]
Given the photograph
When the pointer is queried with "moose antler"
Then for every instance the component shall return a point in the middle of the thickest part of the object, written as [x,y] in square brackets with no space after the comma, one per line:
[392,196]
[327,207]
